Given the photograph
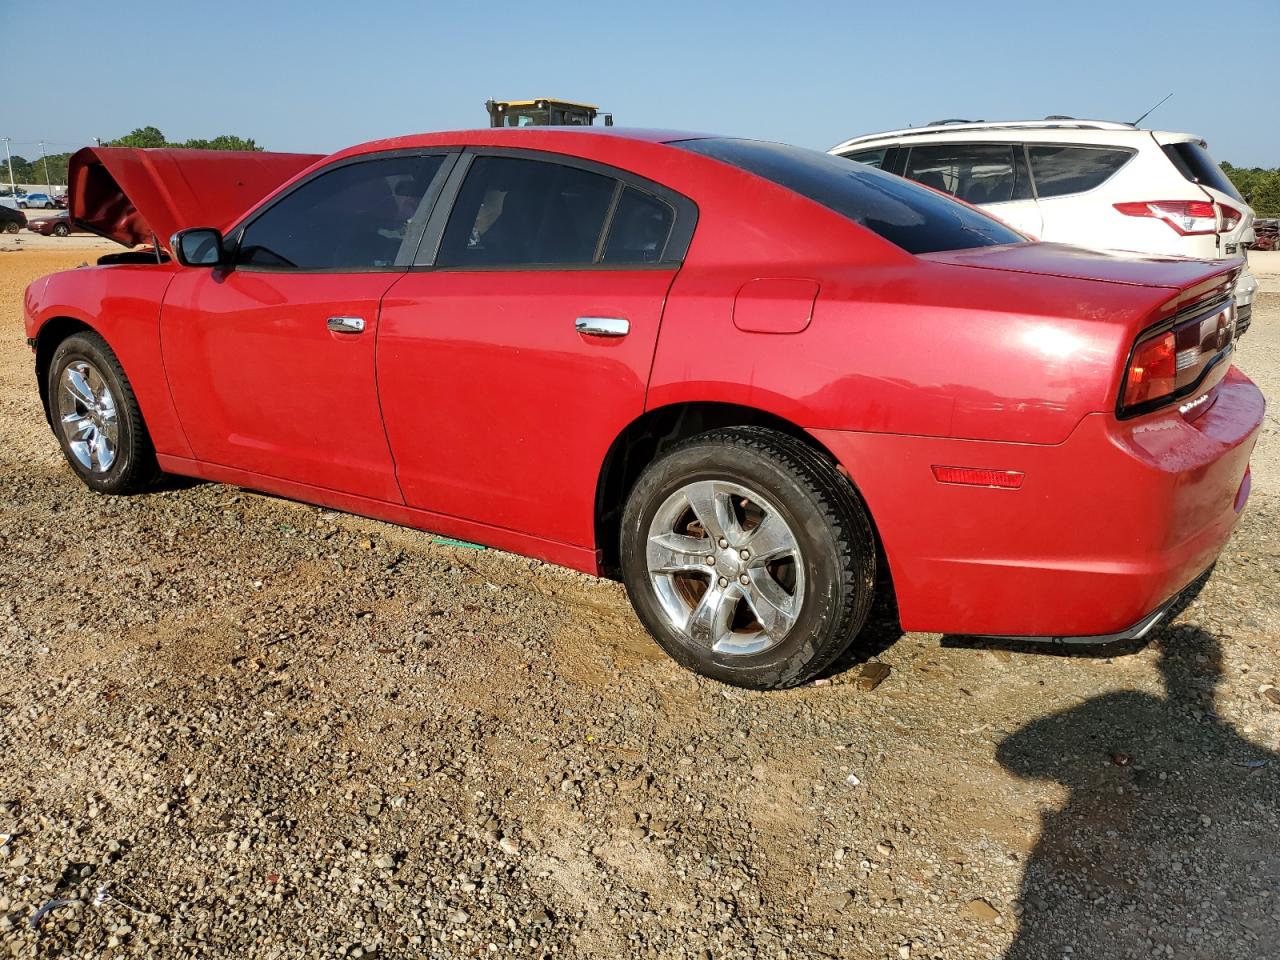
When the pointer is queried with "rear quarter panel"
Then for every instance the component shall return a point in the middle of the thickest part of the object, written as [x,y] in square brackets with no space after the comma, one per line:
[914,348]
[122,304]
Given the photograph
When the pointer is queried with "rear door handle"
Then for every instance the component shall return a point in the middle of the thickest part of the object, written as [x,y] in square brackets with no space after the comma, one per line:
[603,326]
[346,324]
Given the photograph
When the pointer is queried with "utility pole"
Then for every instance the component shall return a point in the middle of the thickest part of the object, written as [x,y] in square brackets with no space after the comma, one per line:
[13,187]
[48,185]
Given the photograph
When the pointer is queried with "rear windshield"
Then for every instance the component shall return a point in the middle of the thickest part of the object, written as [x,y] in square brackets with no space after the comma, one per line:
[914,218]
[1194,163]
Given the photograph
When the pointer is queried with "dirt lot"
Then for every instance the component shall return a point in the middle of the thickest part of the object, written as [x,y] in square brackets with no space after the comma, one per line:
[234,726]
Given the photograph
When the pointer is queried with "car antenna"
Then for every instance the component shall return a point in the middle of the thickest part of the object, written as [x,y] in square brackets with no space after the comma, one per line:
[1149,112]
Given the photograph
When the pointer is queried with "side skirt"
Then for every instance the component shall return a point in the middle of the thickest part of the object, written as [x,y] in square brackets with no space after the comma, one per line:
[552,551]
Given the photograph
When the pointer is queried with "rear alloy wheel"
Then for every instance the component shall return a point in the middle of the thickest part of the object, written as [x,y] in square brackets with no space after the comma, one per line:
[748,557]
[61,230]
[12,226]
[96,417]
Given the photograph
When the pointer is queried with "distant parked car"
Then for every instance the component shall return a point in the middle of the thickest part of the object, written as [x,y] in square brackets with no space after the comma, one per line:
[61,201]
[11,221]
[1092,183]
[39,201]
[54,227]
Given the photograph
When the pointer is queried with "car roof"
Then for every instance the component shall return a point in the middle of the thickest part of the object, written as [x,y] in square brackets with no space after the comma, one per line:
[513,136]
[1058,131]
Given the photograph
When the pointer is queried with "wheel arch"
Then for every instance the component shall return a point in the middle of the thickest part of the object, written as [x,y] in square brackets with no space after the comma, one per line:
[646,437]
[51,333]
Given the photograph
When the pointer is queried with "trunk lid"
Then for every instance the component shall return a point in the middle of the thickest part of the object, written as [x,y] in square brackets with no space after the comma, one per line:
[1192,278]
[133,195]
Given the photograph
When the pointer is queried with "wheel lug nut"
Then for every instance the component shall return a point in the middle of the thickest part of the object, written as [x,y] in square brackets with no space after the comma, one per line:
[711,561]
[724,582]
[745,554]
[723,543]
[744,580]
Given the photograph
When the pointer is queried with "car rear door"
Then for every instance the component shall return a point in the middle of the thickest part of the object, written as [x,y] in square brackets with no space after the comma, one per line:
[992,176]
[520,347]
[271,360]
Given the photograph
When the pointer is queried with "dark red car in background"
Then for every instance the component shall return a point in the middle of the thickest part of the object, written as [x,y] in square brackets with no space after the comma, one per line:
[55,226]
[733,373]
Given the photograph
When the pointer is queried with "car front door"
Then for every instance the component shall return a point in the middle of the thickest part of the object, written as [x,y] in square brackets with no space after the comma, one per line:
[992,176]
[509,362]
[270,358]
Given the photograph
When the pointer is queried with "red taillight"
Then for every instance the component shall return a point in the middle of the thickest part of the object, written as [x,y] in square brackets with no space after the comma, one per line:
[1230,218]
[977,477]
[1152,370]
[1187,217]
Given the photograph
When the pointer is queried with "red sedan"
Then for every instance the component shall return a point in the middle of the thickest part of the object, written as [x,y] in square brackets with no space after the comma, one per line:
[61,226]
[740,376]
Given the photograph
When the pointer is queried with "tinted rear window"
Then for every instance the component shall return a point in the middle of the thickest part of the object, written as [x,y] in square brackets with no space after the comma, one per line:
[1060,171]
[1194,163]
[914,218]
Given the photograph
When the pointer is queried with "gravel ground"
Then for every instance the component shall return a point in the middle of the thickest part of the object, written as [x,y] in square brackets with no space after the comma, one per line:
[233,726]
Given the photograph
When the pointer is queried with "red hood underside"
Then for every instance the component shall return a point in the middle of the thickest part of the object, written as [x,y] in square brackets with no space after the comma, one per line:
[133,195]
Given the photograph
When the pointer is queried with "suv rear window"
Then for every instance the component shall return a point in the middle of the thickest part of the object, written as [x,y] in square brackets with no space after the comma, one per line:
[1194,163]
[910,216]
[1059,171]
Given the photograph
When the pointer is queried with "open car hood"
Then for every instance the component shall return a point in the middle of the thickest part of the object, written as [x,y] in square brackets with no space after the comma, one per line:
[133,195]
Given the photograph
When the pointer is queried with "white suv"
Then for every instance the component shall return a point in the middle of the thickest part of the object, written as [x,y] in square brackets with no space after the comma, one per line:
[1093,183]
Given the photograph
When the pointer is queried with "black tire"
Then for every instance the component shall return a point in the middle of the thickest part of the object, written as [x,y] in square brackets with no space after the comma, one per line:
[134,467]
[61,230]
[13,226]
[829,525]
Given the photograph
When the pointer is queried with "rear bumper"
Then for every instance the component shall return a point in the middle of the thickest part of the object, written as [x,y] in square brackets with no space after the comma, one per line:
[1105,529]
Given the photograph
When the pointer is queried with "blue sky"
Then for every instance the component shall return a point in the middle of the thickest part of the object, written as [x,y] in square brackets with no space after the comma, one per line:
[321,75]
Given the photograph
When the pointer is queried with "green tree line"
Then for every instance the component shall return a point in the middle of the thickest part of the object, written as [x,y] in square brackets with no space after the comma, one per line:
[1259,186]
[52,169]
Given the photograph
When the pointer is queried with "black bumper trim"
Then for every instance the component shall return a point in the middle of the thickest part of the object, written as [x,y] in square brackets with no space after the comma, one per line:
[1136,632]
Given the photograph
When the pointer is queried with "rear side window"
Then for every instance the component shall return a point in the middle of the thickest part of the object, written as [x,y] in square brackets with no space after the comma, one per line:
[1060,171]
[1194,163]
[904,213]
[872,158]
[355,217]
[512,211]
[974,172]
[639,229]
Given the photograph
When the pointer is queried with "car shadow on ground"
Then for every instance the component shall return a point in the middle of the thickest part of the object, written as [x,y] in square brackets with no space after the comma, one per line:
[1167,844]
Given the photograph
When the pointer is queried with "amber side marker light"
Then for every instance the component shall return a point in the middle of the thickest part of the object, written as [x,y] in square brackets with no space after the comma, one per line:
[977,477]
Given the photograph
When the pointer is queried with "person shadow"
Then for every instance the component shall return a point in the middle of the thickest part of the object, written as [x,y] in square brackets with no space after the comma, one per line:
[1168,844]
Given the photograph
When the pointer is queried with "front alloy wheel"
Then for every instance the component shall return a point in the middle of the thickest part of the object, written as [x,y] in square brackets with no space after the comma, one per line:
[96,416]
[87,416]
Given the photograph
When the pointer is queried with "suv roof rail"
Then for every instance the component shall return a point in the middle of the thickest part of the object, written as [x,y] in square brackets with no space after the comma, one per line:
[1051,123]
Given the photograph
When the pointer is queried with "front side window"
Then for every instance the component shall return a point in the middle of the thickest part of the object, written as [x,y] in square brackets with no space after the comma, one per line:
[975,172]
[512,211]
[902,212]
[355,217]
[1060,171]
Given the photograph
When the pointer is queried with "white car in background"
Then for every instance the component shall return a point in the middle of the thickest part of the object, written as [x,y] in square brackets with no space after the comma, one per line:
[1092,183]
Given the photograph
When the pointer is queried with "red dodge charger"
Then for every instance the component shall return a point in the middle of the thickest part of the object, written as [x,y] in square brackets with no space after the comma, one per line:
[743,377]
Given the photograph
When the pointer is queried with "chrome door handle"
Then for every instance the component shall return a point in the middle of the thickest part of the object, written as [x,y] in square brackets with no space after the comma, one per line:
[603,326]
[346,324]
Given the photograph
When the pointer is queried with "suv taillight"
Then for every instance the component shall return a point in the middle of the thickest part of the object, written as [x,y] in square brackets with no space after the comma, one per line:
[1230,218]
[1170,361]
[1188,217]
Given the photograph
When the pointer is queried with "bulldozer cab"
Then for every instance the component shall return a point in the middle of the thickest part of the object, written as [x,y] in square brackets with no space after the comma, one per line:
[543,113]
